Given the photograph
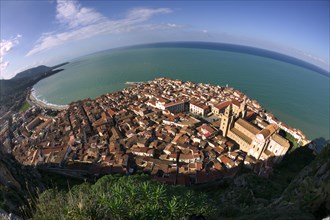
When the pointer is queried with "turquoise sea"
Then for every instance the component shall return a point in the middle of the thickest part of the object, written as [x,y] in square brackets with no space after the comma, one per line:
[296,95]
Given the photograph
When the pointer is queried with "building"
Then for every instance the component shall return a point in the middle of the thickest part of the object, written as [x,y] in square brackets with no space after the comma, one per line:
[199,109]
[258,143]
[226,121]
[220,108]
[239,108]
[38,124]
[177,107]
[277,148]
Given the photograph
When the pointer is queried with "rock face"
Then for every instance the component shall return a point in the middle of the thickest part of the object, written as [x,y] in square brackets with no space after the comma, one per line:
[18,184]
[310,189]
[8,216]
[298,189]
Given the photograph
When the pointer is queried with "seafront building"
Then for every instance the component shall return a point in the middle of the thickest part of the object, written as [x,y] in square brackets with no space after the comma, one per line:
[178,132]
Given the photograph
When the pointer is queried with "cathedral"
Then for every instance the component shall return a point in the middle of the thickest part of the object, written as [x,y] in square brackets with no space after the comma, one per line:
[259,143]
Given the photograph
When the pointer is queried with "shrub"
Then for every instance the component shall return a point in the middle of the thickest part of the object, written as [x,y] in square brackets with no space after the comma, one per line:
[127,197]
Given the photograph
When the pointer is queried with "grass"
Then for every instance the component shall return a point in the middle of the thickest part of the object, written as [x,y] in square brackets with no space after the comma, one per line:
[24,107]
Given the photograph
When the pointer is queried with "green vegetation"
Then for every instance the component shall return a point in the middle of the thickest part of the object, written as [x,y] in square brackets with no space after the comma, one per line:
[24,107]
[2,199]
[18,184]
[54,180]
[310,188]
[250,196]
[294,191]
[291,165]
[127,197]
[293,142]
[297,189]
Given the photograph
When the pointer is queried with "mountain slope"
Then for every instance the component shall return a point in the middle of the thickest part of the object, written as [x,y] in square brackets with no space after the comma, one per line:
[32,72]
[14,91]
[18,185]
[310,189]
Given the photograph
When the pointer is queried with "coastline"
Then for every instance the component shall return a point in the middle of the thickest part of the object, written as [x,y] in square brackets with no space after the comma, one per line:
[34,101]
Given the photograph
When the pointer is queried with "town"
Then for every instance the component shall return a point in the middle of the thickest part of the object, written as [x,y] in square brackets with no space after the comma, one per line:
[178,132]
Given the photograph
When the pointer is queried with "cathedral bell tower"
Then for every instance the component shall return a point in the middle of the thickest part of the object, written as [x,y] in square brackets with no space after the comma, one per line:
[243,108]
[226,120]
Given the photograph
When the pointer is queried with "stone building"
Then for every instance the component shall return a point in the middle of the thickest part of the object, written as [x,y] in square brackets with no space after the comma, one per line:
[199,108]
[256,142]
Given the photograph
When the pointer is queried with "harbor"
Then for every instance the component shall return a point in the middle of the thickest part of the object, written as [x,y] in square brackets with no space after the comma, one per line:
[134,83]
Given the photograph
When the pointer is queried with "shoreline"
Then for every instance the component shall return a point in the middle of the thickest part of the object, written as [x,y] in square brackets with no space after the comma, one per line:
[34,101]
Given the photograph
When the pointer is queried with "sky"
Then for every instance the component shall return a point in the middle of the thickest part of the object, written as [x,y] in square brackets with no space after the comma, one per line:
[48,32]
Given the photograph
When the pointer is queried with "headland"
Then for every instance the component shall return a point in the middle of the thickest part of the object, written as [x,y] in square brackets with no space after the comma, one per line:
[178,132]
[279,86]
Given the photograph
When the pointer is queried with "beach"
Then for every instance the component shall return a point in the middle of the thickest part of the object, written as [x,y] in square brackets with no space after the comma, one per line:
[34,101]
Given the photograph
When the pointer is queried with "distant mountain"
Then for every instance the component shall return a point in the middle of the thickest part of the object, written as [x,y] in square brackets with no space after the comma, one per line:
[36,71]
[13,91]
[32,72]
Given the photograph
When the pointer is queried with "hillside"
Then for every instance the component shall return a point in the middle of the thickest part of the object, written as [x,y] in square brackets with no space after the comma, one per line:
[297,192]
[298,189]
[14,91]
[310,189]
[36,71]
[18,185]
[32,72]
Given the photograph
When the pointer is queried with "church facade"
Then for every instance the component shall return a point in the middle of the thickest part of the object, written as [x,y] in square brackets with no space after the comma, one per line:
[258,143]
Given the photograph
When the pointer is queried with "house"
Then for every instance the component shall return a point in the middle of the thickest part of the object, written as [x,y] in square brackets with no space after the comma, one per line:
[199,109]
[220,108]
[226,161]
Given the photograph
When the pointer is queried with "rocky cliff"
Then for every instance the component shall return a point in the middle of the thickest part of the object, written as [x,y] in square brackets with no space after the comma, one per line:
[310,189]
[19,185]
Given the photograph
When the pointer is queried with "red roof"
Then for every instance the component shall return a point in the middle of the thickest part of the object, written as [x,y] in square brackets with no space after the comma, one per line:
[224,159]
[236,102]
[199,105]
[223,104]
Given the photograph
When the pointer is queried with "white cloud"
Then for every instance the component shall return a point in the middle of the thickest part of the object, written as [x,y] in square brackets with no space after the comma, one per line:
[314,57]
[5,47]
[71,14]
[172,25]
[204,31]
[146,13]
[82,23]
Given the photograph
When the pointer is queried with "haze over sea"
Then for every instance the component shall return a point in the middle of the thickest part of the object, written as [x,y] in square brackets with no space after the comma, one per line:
[295,92]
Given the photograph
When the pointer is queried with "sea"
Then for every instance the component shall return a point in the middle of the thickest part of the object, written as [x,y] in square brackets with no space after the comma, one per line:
[296,92]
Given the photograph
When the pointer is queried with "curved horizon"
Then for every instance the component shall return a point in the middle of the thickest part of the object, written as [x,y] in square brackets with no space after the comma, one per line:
[253,70]
[48,33]
[211,45]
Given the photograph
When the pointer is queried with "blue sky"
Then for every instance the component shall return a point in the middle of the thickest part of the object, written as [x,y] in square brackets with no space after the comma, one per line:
[49,32]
